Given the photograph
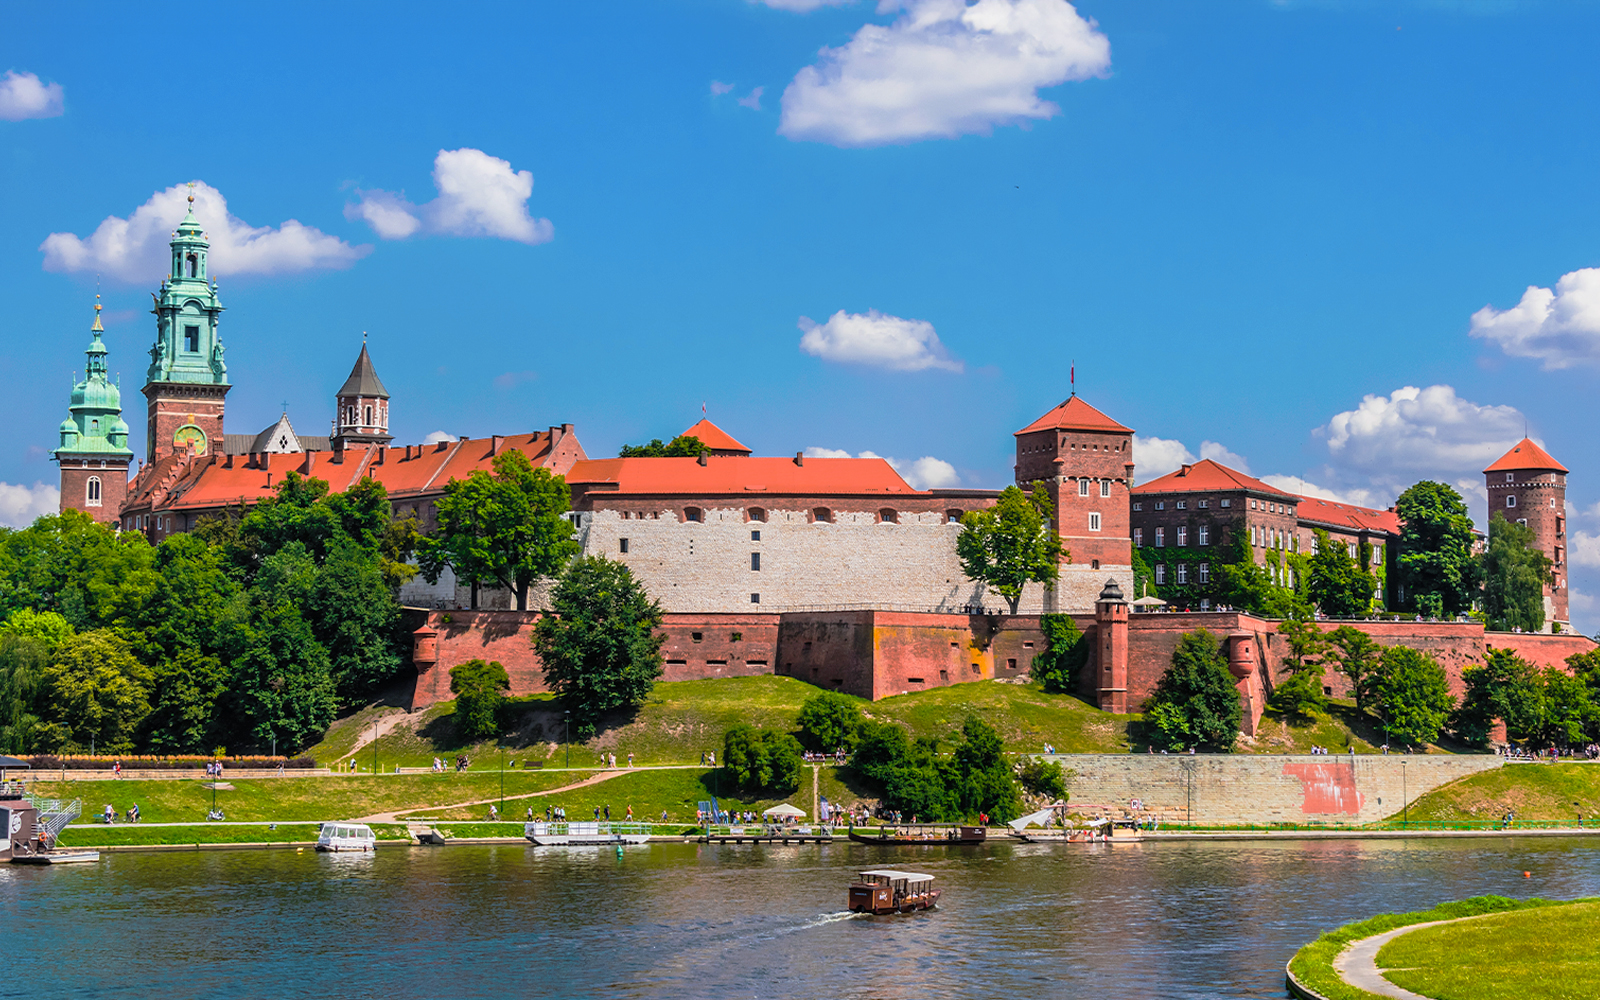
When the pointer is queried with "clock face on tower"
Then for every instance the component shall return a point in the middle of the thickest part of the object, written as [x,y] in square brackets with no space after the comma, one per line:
[189,436]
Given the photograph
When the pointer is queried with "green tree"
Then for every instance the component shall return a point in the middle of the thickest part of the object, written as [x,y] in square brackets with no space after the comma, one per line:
[1043,777]
[984,780]
[1514,576]
[1301,692]
[1336,585]
[28,642]
[355,617]
[1567,714]
[829,720]
[1435,570]
[761,760]
[1065,652]
[1144,581]
[480,689]
[97,694]
[1413,695]
[1504,687]
[601,645]
[1012,543]
[1357,657]
[1195,700]
[67,563]
[504,528]
[682,446]
[907,770]
[1244,584]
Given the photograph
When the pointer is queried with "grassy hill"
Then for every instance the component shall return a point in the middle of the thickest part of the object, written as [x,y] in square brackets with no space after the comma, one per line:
[1550,792]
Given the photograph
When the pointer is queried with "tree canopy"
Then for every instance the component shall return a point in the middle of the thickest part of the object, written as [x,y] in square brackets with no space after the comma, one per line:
[920,782]
[1436,572]
[1012,543]
[1515,572]
[1412,695]
[830,720]
[1058,666]
[1195,702]
[1301,691]
[762,760]
[682,446]
[1337,584]
[480,688]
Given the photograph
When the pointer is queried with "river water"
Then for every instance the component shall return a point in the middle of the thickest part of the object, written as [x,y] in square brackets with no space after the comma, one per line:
[1175,920]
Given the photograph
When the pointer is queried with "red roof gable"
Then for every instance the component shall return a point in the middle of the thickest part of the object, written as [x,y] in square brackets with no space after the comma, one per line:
[714,437]
[1348,516]
[1208,475]
[1526,456]
[1074,415]
[727,475]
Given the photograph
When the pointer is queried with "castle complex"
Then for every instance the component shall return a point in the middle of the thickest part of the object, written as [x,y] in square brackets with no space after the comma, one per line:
[832,570]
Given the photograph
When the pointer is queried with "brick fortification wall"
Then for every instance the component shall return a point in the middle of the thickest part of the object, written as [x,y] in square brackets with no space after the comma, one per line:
[1332,788]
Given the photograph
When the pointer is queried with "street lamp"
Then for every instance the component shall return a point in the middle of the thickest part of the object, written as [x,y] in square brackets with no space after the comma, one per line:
[374,746]
[502,779]
[569,738]
[1405,799]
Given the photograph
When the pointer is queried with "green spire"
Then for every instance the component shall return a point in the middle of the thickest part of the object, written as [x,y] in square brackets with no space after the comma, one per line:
[96,426]
[188,348]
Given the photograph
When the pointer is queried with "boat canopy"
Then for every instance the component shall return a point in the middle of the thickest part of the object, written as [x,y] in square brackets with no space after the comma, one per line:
[895,876]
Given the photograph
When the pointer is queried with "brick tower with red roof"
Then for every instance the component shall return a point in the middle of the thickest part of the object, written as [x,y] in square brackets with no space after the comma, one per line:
[1085,460]
[1526,485]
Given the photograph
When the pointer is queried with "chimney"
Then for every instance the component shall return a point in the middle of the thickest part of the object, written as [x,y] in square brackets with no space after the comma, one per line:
[311,462]
[495,441]
[703,454]
[800,458]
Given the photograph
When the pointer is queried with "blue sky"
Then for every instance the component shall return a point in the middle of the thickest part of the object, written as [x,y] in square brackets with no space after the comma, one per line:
[1344,243]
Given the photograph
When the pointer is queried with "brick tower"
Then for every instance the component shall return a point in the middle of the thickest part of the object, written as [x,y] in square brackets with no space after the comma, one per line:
[1526,485]
[1085,460]
[94,453]
[361,406]
[187,379]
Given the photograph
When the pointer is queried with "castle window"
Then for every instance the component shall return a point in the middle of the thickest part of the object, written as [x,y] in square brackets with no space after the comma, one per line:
[1205,604]
[1094,564]
[1204,570]
[1253,536]
[194,266]
[1094,521]
[1138,506]
[1161,573]
[1224,502]
[1161,537]
[1203,504]
[1183,572]
[1138,536]
[1351,546]
[1161,505]
[755,536]
[622,546]
[755,599]
[92,491]
[757,514]
[888,516]
[952,516]
[1105,487]
[691,514]
[822,515]
[191,339]
[1511,477]
[1083,487]
[1182,505]
[1511,499]
[1183,535]
[755,561]
[1204,532]
[368,421]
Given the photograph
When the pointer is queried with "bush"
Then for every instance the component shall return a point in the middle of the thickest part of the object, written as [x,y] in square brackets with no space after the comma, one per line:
[479,688]
[762,760]
[830,720]
[1043,777]
[1057,668]
[1195,700]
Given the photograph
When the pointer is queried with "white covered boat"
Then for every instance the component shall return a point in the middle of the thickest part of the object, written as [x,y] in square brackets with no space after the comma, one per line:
[346,837]
[566,834]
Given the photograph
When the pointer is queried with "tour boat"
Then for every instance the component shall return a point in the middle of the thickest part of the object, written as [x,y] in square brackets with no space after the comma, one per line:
[53,857]
[572,834]
[888,891]
[932,836]
[346,837]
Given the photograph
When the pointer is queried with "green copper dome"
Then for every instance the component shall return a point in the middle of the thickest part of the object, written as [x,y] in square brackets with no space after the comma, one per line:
[96,427]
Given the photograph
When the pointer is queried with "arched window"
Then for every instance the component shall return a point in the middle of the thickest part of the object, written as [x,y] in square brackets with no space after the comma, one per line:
[758,514]
[194,266]
[822,515]
[953,516]
[92,491]
[691,514]
[888,516]
[368,421]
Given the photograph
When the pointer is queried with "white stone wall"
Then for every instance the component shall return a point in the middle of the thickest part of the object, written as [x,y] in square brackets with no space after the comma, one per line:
[855,561]
[450,594]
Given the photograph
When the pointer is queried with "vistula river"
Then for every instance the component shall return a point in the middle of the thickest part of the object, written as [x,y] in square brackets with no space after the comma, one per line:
[684,920]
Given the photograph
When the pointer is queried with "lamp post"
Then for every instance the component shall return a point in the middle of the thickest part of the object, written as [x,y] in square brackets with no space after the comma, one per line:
[1405,798]
[502,779]
[568,740]
[374,746]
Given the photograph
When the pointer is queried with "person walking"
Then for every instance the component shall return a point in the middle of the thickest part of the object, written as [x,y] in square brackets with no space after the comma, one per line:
[630,758]
[608,812]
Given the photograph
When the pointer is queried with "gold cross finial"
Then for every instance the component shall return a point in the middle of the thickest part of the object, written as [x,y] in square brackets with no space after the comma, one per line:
[191,194]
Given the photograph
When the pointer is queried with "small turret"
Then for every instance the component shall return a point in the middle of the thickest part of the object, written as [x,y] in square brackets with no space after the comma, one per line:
[361,406]
[93,453]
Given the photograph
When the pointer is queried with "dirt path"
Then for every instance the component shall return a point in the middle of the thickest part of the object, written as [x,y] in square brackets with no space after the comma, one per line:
[593,779]
[384,726]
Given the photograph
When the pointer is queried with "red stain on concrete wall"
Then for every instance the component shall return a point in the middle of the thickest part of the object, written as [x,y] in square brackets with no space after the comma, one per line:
[1328,788]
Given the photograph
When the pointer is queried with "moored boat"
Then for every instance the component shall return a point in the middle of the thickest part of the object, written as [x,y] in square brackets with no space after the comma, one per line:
[928,836]
[887,891]
[337,837]
[575,834]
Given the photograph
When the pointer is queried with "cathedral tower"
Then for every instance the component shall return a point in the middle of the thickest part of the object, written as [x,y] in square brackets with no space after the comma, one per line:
[187,379]
[361,407]
[1529,486]
[94,453]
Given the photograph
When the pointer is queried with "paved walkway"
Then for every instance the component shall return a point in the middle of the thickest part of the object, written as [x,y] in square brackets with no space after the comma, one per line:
[595,779]
[1358,963]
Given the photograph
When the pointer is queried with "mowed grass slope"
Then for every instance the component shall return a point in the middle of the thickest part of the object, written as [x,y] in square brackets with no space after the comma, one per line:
[1549,792]
[1547,953]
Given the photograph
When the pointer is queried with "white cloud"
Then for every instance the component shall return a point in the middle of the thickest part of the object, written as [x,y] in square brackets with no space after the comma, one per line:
[1154,457]
[135,249]
[941,70]
[1357,496]
[23,95]
[802,6]
[20,505]
[925,473]
[1585,549]
[878,339]
[1421,431]
[718,88]
[434,437]
[1218,453]
[1579,600]
[753,102]
[1559,327]
[479,195]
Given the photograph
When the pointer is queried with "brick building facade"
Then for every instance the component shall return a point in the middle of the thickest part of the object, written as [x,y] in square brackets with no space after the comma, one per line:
[1526,485]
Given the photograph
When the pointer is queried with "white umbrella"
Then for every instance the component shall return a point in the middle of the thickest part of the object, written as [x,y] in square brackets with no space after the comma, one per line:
[1147,602]
[784,810]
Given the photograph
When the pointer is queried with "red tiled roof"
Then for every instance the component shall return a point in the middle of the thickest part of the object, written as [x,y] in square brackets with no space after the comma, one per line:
[730,475]
[714,437]
[1074,415]
[1208,475]
[1526,455]
[1348,516]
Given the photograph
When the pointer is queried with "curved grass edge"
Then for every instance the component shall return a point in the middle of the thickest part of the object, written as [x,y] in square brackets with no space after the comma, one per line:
[1310,974]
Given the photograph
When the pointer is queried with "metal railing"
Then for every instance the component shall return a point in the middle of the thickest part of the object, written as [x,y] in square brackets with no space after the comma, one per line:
[54,815]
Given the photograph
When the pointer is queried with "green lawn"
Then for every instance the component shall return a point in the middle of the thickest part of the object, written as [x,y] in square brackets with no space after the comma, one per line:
[1546,954]
[1550,792]
[1313,964]
[204,833]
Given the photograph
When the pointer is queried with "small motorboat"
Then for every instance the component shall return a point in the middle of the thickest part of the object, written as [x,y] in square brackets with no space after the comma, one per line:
[923,836]
[585,833]
[337,837]
[886,891]
[55,857]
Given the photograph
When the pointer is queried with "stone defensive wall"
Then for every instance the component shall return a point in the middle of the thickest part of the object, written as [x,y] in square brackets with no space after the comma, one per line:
[878,654]
[1228,789]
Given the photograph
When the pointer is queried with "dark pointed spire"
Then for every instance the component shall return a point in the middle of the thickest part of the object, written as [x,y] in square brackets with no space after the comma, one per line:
[363,380]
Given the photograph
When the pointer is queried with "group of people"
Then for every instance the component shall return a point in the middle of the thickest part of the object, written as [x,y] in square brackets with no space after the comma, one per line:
[131,816]
[213,768]
[1323,750]
[838,756]
[438,765]
[609,761]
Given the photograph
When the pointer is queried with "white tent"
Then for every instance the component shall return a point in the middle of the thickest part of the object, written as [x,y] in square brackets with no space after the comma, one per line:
[1040,818]
[784,810]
